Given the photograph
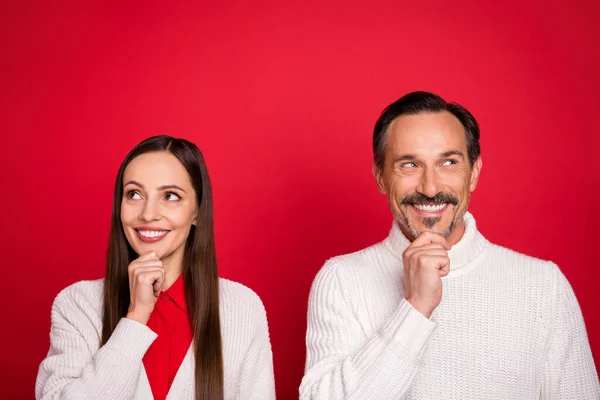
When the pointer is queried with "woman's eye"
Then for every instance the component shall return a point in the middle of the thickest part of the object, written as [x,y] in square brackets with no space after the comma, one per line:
[171,196]
[133,195]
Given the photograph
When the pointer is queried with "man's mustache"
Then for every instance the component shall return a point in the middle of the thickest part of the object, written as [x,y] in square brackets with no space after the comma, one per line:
[419,198]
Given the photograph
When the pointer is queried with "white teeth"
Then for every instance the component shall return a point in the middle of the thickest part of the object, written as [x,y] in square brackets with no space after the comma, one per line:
[430,207]
[152,234]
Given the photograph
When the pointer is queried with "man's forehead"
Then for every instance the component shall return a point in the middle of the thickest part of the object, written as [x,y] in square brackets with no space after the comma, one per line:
[441,131]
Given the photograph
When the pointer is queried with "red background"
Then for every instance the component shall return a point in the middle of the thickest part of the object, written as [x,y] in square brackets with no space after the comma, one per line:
[282,98]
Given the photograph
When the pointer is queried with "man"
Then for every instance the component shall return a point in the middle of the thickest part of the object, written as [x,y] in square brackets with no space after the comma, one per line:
[435,311]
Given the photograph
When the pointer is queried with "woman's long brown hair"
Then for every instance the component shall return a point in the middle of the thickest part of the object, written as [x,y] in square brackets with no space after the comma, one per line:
[201,278]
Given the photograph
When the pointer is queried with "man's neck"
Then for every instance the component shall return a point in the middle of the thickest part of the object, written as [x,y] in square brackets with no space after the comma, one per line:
[457,233]
[467,243]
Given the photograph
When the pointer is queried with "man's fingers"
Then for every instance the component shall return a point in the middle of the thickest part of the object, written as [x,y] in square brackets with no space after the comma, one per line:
[430,237]
[437,261]
[410,251]
[419,254]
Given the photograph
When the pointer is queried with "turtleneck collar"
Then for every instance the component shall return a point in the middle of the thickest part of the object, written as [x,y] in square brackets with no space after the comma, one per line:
[470,245]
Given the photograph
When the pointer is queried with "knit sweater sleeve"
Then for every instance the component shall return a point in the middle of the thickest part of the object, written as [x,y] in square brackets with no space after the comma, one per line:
[74,369]
[569,371]
[256,378]
[342,363]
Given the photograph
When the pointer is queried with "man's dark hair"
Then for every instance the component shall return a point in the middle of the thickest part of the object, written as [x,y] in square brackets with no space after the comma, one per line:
[423,102]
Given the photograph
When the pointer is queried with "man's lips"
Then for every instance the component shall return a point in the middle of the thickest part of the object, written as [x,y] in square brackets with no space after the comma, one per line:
[430,209]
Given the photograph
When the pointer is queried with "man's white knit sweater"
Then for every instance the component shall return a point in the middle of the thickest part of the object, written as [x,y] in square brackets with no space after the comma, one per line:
[76,368]
[508,327]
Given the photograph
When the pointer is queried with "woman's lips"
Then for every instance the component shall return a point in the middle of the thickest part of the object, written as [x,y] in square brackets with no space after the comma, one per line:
[151,235]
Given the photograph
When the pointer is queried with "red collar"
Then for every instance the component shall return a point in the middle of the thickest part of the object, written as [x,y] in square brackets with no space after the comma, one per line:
[177,293]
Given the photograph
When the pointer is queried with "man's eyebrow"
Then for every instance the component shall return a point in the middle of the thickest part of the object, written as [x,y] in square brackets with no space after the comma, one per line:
[452,153]
[405,157]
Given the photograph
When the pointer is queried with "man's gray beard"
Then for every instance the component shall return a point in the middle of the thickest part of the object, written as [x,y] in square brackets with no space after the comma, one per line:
[428,222]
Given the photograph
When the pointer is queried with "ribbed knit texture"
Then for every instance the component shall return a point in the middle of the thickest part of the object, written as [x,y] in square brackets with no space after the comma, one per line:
[77,369]
[508,327]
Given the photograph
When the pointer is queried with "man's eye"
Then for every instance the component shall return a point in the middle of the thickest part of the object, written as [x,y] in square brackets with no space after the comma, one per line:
[172,196]
[409,165]
[449,162]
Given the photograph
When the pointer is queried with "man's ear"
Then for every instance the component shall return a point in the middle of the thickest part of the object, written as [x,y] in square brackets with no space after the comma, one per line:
[378,175]
[475,173]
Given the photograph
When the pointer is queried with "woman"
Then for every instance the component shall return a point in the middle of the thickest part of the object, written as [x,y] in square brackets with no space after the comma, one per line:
[162,324]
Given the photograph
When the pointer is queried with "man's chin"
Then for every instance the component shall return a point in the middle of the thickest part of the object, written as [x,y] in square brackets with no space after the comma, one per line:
[429,225]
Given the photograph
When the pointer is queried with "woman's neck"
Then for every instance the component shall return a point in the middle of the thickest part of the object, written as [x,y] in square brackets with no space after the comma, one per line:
[173,265]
